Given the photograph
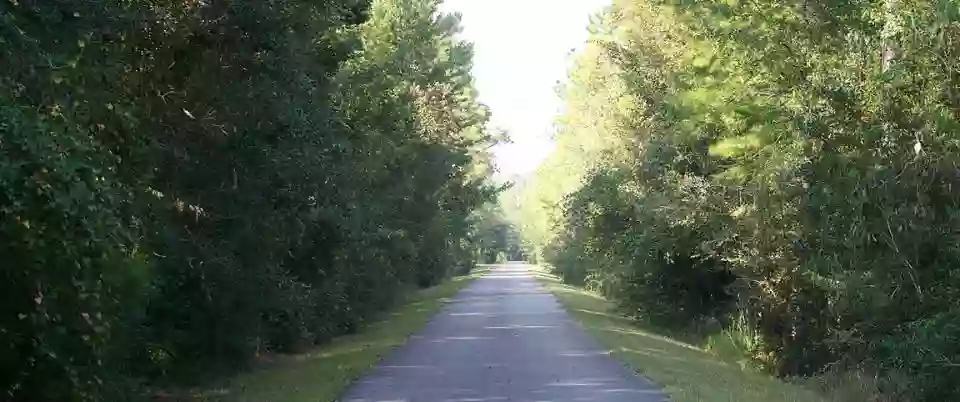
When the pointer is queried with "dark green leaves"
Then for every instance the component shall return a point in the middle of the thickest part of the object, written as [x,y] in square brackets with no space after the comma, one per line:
[186,185]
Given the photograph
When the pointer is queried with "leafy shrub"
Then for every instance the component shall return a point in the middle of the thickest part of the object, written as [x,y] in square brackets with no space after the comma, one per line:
[799,159]
[186,185]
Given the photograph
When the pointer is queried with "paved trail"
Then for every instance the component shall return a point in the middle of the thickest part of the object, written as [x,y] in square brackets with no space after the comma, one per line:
[504,338]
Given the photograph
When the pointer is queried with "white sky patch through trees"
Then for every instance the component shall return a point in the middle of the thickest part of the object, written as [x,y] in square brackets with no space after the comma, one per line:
[522,50]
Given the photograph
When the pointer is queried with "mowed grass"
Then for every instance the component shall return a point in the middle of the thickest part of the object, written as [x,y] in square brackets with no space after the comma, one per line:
[324,373]
[688,373]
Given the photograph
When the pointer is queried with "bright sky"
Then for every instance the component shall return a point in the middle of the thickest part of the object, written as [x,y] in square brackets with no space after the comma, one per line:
[522,49]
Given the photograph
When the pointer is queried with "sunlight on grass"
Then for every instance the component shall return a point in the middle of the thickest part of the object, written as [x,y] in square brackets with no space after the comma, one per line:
[322,374]
[687,372]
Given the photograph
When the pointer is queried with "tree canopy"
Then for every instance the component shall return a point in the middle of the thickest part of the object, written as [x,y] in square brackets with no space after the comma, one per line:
[784,167]
[185,185]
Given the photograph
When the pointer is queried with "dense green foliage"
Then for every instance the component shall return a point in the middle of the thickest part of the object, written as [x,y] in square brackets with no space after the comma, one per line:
[186,184]
[784,168]
[497,238]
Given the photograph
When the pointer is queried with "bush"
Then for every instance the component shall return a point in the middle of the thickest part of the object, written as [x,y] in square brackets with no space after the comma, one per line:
[68,251]
[798,160]
[184,186]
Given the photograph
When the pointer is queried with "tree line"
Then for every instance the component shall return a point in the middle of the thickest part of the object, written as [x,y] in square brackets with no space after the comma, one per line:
[783,169]
[497,238]
[187,185]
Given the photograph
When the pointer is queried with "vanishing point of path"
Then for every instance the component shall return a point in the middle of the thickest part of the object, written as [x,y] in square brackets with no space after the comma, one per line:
[503,338]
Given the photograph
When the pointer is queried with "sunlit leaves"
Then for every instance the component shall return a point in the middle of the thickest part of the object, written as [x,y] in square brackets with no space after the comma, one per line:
[805,145]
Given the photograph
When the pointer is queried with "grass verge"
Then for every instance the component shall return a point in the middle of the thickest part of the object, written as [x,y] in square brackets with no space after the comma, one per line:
[323,373]
[687,373]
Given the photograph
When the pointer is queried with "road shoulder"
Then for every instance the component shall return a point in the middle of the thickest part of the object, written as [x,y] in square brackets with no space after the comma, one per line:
[323,373]
[687,373]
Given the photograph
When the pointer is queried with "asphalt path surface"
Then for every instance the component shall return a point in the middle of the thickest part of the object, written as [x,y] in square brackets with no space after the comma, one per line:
[502,338]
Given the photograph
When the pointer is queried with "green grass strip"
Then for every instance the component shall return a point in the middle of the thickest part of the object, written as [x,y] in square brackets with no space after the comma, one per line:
[688,373]
[323,373]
